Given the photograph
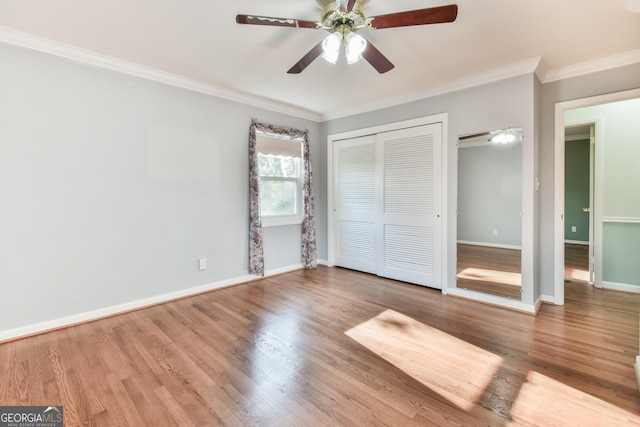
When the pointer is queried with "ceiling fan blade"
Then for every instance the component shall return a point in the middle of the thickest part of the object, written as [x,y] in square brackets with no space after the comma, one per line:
[277,22]
[306,60]
[377,59]
[351,5]
[474,135]
[432,15]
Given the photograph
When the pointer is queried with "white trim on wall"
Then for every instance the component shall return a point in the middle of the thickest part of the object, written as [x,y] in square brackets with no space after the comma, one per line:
[576,242]
[534,65]
[589,67]
[513,70]
[47,326]
[623,287]
[558,200]
[621,220]
[29,41]
[489,245]
[496,300]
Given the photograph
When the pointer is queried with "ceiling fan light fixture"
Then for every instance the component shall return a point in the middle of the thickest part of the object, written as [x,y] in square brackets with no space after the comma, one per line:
[331,47]
[503,137]
[354,47]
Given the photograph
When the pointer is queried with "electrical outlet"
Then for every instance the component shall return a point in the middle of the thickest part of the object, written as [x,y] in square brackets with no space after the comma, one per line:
[202,264]
[574,229]
[495,231]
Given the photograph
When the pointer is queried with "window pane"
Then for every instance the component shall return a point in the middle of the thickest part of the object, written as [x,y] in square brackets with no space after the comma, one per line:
[278,197]
[272,165]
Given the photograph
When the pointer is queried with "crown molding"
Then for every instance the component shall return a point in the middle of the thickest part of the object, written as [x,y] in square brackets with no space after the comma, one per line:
[535,66]
[497,74]
[29,41]
[589,67]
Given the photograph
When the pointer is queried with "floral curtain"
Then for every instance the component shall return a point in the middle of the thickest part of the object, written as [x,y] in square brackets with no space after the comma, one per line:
[256,249]
[309,256]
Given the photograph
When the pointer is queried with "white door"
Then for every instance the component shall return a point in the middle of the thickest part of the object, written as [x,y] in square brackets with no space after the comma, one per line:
[387,191]
[409,213]
[355,203]
[592,257]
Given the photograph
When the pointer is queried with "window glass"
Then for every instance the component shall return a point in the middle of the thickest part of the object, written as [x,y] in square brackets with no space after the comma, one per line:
[279,163]
[278,197]
[272,165]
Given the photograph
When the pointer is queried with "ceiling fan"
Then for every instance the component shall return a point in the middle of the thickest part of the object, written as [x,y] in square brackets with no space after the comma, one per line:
[343,18]
[498,136]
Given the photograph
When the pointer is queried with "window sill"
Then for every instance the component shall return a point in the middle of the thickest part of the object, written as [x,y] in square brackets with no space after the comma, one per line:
[277,221]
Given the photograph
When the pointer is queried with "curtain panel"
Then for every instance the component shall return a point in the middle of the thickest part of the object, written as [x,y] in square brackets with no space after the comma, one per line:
[308,227]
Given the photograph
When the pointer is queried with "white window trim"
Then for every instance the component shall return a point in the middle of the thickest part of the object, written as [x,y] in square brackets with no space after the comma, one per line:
[281,220]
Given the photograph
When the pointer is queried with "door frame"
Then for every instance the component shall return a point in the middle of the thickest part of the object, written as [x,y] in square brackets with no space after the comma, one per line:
[595,234]
[442,118]
[558,202]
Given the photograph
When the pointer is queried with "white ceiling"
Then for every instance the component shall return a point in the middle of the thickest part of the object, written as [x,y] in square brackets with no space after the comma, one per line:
[200,40]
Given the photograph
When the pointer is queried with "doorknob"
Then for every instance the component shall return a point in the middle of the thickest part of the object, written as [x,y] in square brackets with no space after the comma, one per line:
[586,209]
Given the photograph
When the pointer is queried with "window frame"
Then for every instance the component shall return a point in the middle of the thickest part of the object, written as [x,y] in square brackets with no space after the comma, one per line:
[284,219]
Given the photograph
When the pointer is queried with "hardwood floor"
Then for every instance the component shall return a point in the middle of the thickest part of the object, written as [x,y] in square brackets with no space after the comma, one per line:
[337,347]
[489,270]
[576,263]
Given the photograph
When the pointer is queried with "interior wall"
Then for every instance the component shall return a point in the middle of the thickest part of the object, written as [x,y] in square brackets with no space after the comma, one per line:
[490,195]
[576,184]
[498,105]
[617,159]
[113,186]
[604,82]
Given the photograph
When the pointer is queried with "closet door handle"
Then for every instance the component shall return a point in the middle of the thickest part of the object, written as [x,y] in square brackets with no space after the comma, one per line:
[586,209]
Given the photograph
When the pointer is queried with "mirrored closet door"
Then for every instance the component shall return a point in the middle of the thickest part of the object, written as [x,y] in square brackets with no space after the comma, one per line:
[489,220]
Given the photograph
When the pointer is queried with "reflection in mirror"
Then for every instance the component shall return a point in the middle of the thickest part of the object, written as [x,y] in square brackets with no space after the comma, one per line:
[490,212]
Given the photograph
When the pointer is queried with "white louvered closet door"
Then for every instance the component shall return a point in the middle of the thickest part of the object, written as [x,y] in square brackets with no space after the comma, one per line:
[408,226]
[355,203]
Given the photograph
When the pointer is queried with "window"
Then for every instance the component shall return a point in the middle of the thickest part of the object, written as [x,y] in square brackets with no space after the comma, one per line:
[280,169]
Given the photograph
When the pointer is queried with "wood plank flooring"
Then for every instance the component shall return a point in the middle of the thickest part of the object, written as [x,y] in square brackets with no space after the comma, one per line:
[490,270]
[337,347]
[576,263]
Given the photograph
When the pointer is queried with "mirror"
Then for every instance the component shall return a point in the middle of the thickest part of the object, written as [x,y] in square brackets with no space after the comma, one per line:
[489,223]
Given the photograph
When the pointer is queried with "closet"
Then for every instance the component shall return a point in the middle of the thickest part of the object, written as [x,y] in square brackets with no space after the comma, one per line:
[385,203]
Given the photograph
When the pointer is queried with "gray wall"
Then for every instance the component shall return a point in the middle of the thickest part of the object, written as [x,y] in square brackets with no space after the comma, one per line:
[506,103]
[490,194]
[112,186]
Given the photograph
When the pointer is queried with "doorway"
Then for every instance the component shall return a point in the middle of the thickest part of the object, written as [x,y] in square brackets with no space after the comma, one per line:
[386,207]
[624,269]
[578,204]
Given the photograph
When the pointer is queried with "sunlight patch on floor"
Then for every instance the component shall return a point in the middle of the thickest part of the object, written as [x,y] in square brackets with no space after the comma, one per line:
[493,276]
[543,401]
[455,369]
[578,275]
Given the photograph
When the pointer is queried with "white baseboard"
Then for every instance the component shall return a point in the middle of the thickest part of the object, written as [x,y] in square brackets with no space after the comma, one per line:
[50,325]
[495,300]
[637,370]
[489,245]
[549,299]
[623,287]
[576,242]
